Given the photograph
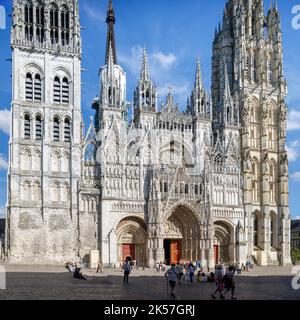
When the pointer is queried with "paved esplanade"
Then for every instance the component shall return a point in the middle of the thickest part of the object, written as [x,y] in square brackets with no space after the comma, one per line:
[48,282]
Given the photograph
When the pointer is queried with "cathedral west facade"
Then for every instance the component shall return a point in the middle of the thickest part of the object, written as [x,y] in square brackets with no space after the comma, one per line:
[208,183]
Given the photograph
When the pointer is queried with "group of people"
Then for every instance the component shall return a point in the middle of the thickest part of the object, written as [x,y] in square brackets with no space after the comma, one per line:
[224,279]
[161,266]
[75,270]
[224,282]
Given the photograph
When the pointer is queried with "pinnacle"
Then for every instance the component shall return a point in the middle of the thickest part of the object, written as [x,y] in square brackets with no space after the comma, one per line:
[145,74]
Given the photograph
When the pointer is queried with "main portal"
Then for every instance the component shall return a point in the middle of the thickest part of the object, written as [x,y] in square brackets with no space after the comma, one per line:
[172,251]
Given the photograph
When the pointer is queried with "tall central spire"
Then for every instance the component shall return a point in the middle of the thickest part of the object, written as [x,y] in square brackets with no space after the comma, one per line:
[110,42]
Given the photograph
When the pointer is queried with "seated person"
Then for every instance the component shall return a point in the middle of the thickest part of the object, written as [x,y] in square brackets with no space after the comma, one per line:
[78,274]
[199,276]
[203,277]
[211,278]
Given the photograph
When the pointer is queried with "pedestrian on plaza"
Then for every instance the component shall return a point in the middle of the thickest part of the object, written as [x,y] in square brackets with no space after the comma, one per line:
[172,276]
[219,283]
[199,265]
[157,266]
[191,272]
[179,270]
[99,267]
[229,282]
[127,270]
[247,265]
[187,274]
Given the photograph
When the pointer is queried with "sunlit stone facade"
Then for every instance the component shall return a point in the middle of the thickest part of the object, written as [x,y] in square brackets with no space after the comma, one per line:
[208,183]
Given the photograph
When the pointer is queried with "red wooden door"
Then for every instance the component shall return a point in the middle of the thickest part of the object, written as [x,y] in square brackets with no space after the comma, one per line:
[175,251]
[128,250]
[216,254]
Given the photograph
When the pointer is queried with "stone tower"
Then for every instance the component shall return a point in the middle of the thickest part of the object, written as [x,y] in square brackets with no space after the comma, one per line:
[45,143]
[145,97]
[249,44]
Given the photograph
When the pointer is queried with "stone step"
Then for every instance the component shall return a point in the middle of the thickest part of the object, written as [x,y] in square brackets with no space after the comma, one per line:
[273,262]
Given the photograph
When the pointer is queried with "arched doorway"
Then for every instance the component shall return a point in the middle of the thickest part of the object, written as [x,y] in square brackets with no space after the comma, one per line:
[223,242]
[132,233]
[182,236]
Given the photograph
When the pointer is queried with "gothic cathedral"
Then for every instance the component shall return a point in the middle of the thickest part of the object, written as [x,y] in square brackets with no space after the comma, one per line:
[155,183]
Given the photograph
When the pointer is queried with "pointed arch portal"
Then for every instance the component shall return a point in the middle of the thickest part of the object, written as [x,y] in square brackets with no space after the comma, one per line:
[131,235]
[182,236]
[223,242]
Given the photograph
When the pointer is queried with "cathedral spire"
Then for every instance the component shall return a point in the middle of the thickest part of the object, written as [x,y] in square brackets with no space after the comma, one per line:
[230,115]
[110,41]
[145,74]
[110,62]
[198,81]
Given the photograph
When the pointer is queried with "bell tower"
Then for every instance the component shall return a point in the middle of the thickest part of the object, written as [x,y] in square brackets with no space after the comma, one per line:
[250,43]
[45,142]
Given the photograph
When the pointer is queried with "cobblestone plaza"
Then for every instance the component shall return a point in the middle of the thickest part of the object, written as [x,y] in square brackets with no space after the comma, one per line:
[56,283]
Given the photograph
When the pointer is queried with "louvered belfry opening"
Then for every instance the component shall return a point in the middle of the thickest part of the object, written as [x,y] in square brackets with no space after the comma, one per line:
[38,127]
[56,90]
[27,127]
[65,91]
[29,87]
[37,88]
[67,130]
[56,129]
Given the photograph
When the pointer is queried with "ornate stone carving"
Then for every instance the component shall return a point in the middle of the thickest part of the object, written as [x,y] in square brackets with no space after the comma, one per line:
[282,117]
[247,160]
[284,163]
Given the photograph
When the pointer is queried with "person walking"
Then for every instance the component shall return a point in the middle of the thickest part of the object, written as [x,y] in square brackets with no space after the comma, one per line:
[172,276]
[219,283]
[99,267]
[191,272]
[127,270]
[229,282]
[179,270]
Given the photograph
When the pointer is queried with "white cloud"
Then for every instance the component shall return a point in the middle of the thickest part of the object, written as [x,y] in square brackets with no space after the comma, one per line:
[177,90]
[293,150]
[296,218]
[93,12]
[157,61]
[162,73]
[133,60]
[166,60]
[3,163]
[2,212]
[296,176]
[292,154]
[293,120]
[5,121]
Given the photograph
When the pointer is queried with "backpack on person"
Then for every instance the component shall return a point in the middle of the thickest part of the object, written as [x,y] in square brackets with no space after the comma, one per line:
[127,267]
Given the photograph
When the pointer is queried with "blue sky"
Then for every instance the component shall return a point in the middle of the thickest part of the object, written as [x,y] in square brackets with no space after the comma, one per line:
[175,33]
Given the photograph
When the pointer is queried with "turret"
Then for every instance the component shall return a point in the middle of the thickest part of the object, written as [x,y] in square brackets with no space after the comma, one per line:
[145,94]
[200,101]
